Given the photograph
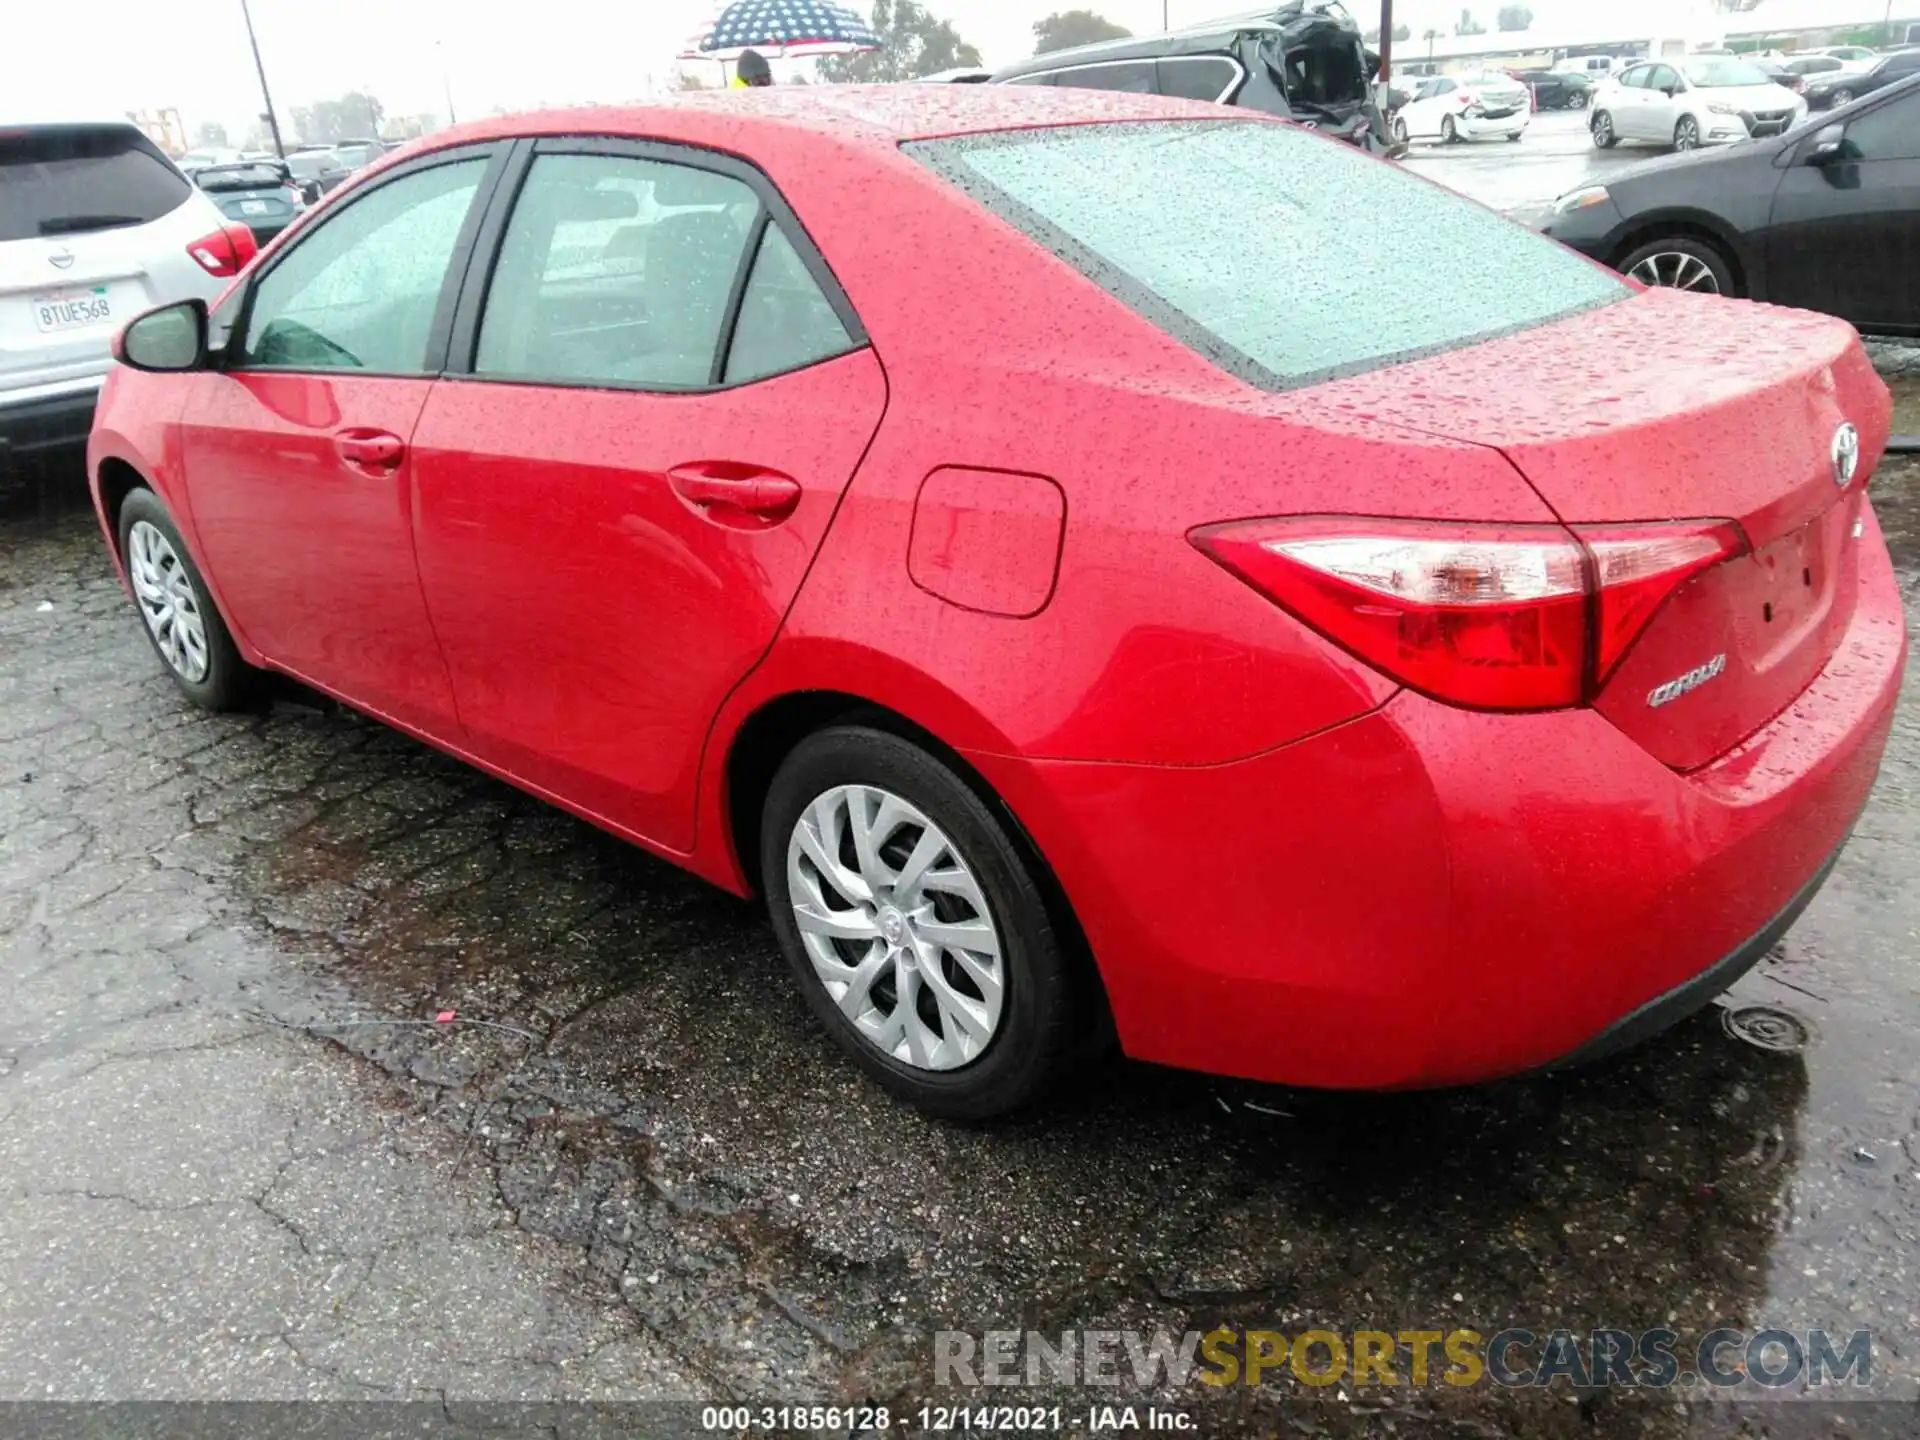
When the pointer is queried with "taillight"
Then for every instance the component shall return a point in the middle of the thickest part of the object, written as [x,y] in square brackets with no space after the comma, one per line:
[1494,617]
[226,251]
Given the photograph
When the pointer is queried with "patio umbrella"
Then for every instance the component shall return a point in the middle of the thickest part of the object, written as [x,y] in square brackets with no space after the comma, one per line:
[784,29]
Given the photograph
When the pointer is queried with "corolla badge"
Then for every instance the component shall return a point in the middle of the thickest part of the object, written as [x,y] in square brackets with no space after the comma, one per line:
[1846,455]
[1692,680]
[60,259]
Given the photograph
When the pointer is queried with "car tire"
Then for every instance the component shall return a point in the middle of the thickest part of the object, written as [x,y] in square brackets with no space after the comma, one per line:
[887,1004]
[1515,138]
[177,611]
[1842,97]
[1397,128]
[1686,134]
[1577,100]
[1449,132]
[1681,263]
[1601,128]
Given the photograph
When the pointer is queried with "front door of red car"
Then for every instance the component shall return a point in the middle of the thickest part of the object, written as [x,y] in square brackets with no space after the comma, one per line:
[296,452]
[666,396]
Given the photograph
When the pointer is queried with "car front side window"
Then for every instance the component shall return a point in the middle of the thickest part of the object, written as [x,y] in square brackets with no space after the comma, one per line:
[1891,132]
[360,291]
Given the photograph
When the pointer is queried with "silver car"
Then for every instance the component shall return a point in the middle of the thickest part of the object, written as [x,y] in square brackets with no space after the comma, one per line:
[96,226]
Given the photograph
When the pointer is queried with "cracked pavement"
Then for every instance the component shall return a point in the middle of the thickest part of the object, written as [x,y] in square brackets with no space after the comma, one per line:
[240,1160]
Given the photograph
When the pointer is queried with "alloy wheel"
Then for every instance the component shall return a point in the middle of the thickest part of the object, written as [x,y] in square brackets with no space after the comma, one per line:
[1676,270]
[1602,129]
[896,927]
[167,602]
[1686,135]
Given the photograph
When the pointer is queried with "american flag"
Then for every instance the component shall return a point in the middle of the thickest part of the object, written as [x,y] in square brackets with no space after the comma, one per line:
[784,28]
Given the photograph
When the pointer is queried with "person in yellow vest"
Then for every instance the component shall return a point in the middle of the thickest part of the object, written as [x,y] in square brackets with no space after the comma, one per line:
[751,70]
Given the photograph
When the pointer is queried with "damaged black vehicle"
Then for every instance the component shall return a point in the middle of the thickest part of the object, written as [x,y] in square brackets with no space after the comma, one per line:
[1305,61]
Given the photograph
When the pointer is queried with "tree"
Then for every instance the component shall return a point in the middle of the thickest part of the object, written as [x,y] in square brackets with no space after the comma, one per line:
[1468,25]
[211,135]
[1514,17]
[913,44]
[1066,28]
[1403,32]
[353,115]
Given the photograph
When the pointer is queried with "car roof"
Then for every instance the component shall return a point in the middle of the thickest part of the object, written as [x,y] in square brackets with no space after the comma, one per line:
[877,117]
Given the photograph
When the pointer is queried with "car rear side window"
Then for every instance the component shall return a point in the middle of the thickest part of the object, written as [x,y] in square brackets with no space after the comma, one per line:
[1199,77]
[1134,76]
[785,320]
[72,179]
[616,271]
[359,292]
[1238,238]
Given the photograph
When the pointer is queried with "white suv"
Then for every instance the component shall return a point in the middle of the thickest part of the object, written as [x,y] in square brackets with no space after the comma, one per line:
[96,225]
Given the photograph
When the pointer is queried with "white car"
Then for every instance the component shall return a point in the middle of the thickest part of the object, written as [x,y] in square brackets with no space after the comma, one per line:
[1453,108]
[96,226]
[1857,58]
[1683,104]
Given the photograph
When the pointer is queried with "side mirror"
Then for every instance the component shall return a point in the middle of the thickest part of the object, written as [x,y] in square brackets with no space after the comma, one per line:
[174,337]
[1827,147]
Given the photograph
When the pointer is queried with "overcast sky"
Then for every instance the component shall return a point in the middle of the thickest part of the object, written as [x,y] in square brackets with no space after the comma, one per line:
[73,58]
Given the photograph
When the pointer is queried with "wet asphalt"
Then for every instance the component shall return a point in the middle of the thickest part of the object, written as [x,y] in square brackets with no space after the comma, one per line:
[240,1157]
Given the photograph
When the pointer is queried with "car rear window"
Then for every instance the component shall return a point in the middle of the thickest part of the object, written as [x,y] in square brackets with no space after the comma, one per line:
[68,180]
[1283,257]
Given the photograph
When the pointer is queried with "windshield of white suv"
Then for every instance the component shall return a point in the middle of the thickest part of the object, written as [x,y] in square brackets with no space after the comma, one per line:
[1238,238]
[70,179]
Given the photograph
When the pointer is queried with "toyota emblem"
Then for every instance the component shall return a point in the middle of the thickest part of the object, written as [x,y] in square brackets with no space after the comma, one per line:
[60,259]
[1846,455]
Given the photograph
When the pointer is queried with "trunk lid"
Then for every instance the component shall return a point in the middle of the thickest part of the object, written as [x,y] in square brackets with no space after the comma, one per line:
[1678,407]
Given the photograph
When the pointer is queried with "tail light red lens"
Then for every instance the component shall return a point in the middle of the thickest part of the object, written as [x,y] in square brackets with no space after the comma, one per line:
[226,251]
[1494,617]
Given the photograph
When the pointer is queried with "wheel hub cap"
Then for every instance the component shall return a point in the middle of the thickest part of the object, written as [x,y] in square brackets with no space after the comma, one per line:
[167,603]
[897,927]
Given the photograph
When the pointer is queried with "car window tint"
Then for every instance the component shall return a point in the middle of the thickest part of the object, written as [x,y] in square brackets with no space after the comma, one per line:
[1043,79]
[1135,76]
[1636,78]
[1903,64]
[616,271]
[1662,77]
[1199,78]
[785,321]
[73,179]
[1891,132]
[1282,296]
[359,292]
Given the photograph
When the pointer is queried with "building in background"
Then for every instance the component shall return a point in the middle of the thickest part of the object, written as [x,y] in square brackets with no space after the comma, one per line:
[163,127]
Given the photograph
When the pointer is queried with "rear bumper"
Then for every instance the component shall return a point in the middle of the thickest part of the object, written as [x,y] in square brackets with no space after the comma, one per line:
[1664,1011]
[1427,896]
[46,423]
[1478,127]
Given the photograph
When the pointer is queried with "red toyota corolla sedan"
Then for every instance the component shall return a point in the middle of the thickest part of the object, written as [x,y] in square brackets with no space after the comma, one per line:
[1030,538]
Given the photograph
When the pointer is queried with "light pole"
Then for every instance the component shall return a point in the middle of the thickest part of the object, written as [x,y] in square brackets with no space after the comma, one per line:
[446,81]
[273,123]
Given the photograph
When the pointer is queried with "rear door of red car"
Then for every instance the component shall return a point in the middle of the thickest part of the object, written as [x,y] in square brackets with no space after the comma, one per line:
[656,395]
[295,450]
